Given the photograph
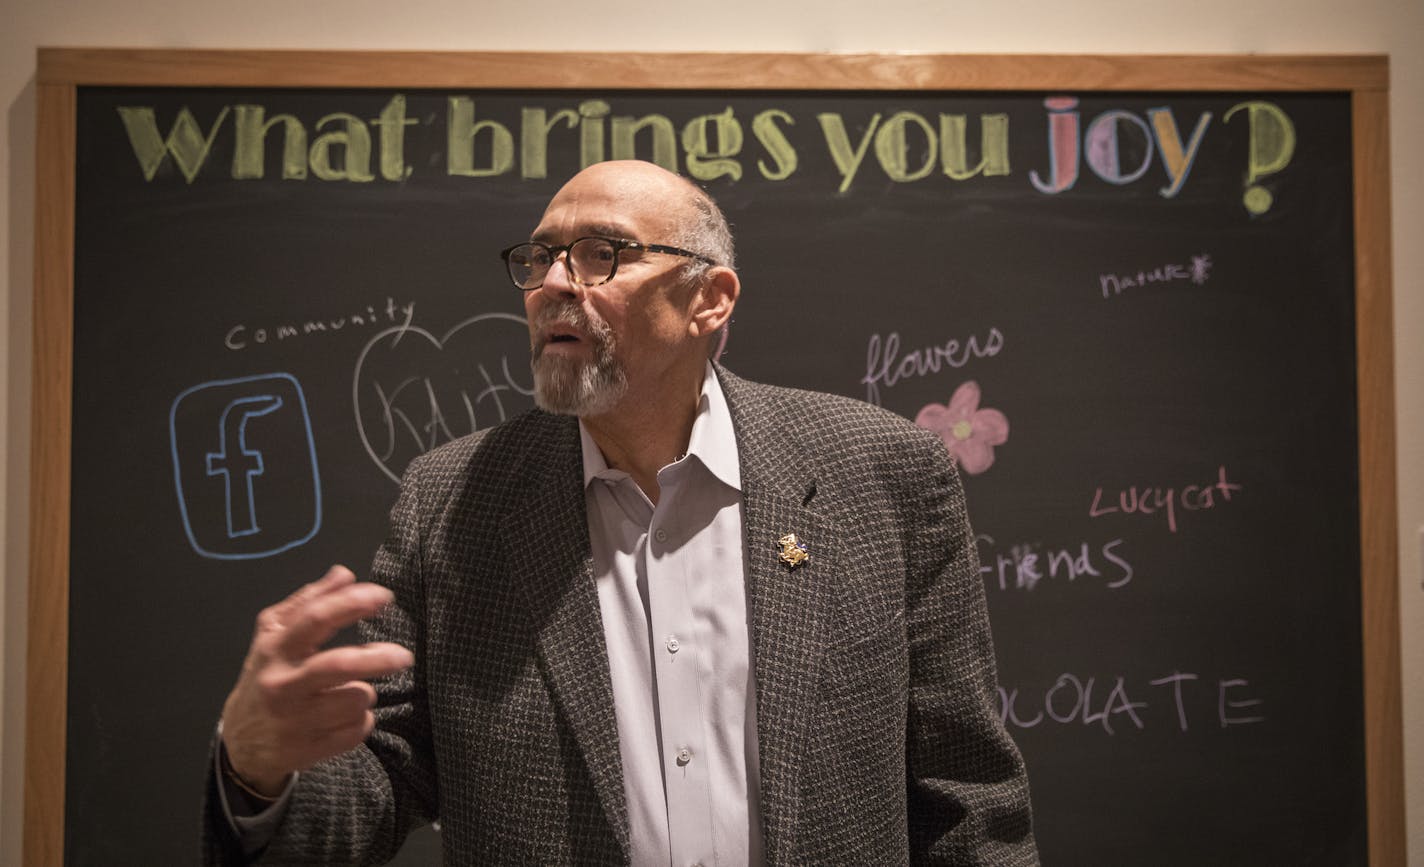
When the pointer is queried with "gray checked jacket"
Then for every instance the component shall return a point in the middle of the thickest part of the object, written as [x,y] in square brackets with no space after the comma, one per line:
[878,733]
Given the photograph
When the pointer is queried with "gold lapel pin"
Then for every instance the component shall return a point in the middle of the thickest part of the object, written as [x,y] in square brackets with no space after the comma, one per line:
[793,551]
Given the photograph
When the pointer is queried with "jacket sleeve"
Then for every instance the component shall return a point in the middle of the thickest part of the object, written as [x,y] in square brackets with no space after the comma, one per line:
[968,797]
[358,807]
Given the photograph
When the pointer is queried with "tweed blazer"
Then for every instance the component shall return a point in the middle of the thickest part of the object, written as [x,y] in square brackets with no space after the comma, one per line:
[879,740]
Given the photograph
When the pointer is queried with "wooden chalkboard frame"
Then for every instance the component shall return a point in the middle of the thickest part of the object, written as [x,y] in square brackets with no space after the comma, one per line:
[61,71]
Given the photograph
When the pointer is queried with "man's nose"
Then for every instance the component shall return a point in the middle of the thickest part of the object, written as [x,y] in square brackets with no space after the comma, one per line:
[558,280]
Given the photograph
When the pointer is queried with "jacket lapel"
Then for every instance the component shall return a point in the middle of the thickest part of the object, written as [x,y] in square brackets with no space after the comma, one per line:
[790,609]
[550,555]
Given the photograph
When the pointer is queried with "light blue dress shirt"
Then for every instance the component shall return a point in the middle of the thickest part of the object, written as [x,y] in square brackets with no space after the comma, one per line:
[672,593]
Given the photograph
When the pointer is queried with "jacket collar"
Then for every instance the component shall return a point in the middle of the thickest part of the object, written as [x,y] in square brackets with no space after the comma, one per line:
[713,440]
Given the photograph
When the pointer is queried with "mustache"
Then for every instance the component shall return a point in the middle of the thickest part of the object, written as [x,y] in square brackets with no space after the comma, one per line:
[563,313]
[570,314]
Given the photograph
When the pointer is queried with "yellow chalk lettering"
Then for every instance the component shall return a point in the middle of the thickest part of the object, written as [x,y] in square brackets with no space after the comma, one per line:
[393,123]
[729,144]
[534,139]
[777,145]
[593,111]
[1177,161]
[892,147]
[186,141]
[460,157]
[993,146]
[1272,137]
[625,145]
[249,150]
[355,142]
[1272,146]
[847,159]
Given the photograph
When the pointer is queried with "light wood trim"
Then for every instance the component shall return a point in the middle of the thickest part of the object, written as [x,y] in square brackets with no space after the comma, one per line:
[48,662]
[62,70]
[1379,542]
[748,71]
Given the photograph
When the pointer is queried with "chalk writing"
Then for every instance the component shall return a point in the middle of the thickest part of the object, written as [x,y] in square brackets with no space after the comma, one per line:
[342,152]
[1227,708]
[1165,501]
[1101,146]
[1181,696]
[237,463]
[244,466]
[1272,146]
[946,146]
[242,335]
[412,391]
[1198,270]
[901,146]
[884,366]
[1023,566]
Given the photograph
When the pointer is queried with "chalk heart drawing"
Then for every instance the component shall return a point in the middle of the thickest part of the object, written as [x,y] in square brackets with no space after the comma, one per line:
[970,433]
[413,391]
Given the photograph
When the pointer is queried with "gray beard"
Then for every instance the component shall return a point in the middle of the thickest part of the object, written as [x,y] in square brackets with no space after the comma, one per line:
[567,386]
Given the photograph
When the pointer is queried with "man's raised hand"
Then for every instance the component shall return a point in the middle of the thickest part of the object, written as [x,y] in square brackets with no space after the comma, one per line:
[295,704]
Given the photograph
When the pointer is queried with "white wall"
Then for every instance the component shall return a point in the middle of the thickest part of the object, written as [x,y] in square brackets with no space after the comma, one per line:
[1395,27]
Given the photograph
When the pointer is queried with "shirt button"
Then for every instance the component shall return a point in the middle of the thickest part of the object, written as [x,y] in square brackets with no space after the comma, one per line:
[673,645]
[660,535]
[684,756]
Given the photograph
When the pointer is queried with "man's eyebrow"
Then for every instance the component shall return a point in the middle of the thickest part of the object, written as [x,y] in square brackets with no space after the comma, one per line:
[607,230]
[602,230]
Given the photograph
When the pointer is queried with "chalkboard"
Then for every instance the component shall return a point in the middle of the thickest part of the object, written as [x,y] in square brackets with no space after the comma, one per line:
[1132,315]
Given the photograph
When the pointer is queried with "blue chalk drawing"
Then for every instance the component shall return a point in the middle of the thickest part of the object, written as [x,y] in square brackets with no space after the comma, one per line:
[221,520]
[245,461]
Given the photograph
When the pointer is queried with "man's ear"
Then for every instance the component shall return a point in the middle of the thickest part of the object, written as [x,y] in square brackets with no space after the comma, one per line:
[713,303]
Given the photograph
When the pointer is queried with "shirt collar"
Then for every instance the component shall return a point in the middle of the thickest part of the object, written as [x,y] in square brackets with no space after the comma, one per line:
[713,440]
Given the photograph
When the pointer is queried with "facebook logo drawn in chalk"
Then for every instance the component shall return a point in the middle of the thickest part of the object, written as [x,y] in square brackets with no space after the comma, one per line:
[244,465]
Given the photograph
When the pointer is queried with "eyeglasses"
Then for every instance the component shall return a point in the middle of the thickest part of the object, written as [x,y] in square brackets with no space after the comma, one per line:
[591,260]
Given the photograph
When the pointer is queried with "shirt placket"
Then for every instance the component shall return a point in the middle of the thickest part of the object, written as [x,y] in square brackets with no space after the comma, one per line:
[675,650]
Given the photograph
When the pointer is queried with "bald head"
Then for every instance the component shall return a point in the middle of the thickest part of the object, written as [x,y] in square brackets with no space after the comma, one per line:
[626,177]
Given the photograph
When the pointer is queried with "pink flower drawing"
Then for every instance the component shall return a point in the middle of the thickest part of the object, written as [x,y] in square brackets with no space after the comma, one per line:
[970,433]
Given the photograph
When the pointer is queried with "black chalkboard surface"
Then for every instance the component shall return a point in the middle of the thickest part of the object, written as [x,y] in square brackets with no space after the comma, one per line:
[1132,317]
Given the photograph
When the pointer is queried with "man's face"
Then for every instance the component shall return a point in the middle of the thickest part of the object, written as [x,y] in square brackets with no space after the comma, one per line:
[591,344]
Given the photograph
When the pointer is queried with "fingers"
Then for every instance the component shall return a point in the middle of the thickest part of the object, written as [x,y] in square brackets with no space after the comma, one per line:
[351,699]
[340,739]
[340,709]
[311,623]
[295,690]
[277,616]
[315,693]
[336,667]
[294,703]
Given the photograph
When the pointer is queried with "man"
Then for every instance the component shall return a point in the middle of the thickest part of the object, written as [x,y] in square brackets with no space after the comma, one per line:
[705,621]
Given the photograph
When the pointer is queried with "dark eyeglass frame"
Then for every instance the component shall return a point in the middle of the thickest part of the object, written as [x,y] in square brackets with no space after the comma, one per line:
[618,245]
